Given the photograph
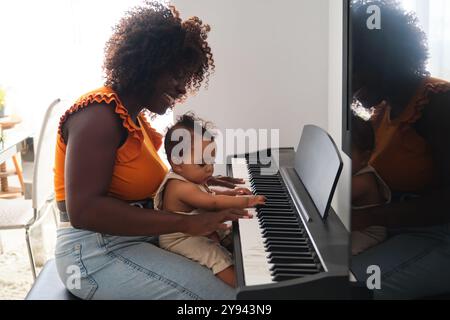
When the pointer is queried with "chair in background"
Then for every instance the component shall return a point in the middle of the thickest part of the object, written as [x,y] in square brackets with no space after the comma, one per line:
[5,191]
[22,213]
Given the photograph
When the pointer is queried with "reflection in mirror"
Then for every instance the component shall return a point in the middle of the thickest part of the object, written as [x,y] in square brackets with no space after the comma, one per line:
[400,146]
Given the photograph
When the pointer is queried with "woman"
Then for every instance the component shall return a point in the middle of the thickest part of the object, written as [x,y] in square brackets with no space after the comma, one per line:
[106,157]
[412,153]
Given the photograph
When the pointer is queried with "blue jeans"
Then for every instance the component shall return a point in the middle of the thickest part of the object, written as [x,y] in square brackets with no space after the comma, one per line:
[414,263]
[113,267]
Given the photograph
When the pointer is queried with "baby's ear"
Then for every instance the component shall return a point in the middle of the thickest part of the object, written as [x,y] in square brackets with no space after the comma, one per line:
[176,168]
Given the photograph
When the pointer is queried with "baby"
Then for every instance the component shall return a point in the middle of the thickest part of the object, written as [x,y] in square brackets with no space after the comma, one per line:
[368,189]
[184,191]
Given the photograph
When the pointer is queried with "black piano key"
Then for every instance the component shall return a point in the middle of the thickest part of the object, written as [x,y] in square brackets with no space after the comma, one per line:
[278,225]
[272,195]
[269,211]
[275,234]
[296,230]
[287,259]
[285,242]
[312,266]
[292,255]
[274,242]
[297,271]
[280,215]
[275,238]
[277,201]
[273,179]
[277,219]
[273,210]
[285,276]
[293,227]
[266,185]
[269,189]
[287,248]
[284,217]
[287,239]
[277,215]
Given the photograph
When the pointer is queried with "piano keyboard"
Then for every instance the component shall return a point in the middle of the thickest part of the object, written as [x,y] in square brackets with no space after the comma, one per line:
[275,245]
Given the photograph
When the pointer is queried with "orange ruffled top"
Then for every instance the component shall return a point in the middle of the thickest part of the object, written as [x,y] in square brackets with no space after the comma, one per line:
[402,157]
[138,169]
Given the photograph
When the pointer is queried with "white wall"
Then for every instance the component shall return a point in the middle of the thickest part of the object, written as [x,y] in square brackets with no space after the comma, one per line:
[271,64]
[341,201]
[278,65]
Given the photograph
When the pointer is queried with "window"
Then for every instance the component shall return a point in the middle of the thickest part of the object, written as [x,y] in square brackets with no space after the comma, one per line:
[54,48]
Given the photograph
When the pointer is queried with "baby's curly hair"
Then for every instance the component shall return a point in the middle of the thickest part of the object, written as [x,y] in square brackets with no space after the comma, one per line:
[398,50]
[151,40]
[193,124]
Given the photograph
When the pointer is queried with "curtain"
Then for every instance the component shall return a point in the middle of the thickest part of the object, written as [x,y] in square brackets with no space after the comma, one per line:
[434,17]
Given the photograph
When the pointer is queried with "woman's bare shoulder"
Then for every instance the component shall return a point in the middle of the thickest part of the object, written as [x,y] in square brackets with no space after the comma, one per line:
[97,119]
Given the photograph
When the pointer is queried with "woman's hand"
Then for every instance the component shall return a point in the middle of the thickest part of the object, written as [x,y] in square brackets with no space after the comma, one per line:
[204,224]
[224,181]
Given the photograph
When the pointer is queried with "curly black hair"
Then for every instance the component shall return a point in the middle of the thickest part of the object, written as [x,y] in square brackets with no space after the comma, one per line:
[151,40]
[395,52]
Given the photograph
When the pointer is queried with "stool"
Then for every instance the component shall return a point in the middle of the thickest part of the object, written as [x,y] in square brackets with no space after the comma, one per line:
[48,286]
[5,190]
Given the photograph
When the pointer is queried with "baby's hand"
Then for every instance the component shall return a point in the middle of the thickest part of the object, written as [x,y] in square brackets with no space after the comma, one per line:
[214,237]
[241,191]
[253,201]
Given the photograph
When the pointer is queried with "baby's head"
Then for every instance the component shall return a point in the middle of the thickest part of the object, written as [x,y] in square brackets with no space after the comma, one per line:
[190,148]
[363,143]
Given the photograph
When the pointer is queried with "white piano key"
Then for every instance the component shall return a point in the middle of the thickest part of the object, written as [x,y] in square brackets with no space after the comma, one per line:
[255,262]
[253,212]
[240,169]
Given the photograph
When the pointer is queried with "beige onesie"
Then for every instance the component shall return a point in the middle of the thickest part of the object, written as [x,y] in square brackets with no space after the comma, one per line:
[203,250]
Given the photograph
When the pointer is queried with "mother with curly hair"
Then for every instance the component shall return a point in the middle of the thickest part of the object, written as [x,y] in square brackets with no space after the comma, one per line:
[411,121]
[106,158]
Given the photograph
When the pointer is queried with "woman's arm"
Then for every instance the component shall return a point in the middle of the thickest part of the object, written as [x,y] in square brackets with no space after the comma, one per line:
[361,186]
[433,207]
[94,135]
[426,211]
